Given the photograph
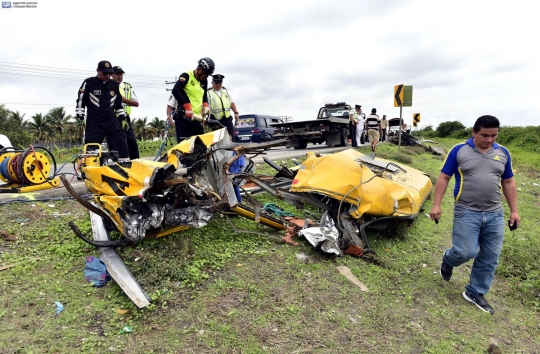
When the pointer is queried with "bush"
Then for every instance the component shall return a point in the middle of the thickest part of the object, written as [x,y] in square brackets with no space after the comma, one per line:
[445,129]
[461,134]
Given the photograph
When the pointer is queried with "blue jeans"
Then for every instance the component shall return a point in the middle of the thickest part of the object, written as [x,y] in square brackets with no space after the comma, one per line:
[478,235]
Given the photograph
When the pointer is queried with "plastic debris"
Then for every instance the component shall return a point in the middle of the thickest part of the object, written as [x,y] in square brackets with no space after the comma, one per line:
[302,257]
[326,235]
[126,329]
[59,307]
[121,312]
[353,320]
[272,208]
[95,271]
[51,205]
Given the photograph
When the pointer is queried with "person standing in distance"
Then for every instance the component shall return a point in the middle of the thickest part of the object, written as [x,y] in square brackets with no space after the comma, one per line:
[374,129]
[384,125]
[190,91]
[481,168]
[129,99]
[221,104]
[102,100]
[353,121]
[359,125]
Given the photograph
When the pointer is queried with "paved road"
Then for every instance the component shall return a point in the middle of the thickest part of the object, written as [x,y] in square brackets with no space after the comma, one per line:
[273,154]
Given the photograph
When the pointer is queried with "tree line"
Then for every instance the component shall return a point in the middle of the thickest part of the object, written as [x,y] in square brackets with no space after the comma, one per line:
[59,127]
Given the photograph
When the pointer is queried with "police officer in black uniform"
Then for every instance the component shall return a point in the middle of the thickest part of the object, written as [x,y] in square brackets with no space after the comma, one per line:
[103,102]
[190,91]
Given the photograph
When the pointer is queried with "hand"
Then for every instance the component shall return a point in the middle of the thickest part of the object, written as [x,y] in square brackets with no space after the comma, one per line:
[435,213]
[170,121]
[188,111]
[205,112]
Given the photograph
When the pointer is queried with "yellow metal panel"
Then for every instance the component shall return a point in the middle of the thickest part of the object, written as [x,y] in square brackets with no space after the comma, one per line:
[340,175]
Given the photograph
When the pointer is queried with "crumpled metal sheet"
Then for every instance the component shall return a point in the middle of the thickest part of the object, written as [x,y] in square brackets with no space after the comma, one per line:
[397,193]
[325,235]
[140,217]
[196,217]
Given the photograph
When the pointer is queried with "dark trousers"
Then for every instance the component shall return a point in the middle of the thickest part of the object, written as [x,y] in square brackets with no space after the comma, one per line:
[226,122]
[185,128]
[383,138]
[352,133]
[113,134]
[133,149]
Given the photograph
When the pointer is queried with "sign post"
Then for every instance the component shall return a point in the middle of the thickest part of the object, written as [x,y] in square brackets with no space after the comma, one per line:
[402,97]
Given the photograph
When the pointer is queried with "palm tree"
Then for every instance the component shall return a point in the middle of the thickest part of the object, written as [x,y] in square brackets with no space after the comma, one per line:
[140,128]
[74,129]
[57,120]
[158,127]
[19,118]
[39,127]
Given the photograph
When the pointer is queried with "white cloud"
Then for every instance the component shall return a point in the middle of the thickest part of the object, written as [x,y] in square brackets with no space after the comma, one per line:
[463,58]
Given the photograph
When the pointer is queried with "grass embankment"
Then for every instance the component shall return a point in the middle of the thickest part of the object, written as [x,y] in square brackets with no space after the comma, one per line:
[217,290]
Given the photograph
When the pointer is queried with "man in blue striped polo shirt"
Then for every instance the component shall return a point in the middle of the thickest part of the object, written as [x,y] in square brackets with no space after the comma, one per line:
[481,168]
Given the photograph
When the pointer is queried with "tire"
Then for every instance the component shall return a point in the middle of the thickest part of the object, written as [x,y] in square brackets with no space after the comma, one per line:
[343,136]
[302,145]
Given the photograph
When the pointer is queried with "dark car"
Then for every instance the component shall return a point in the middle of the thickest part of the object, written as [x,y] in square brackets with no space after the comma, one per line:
[255,128]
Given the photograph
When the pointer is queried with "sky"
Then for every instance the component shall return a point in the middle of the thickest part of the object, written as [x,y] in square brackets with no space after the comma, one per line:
[464,59]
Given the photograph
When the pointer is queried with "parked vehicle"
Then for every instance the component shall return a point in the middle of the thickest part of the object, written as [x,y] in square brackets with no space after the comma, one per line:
[255,128]
[331,126]
[4,142]
[393,126]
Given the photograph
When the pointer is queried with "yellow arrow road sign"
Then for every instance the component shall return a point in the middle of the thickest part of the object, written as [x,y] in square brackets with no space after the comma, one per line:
[398,95]
[416,119]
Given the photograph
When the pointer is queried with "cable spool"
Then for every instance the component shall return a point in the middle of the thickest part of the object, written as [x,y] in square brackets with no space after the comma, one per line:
[25,168]
[4,167]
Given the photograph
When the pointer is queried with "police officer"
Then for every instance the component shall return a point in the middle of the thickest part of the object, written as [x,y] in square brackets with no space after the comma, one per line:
[221,103]
[353,121]
[103,102]
[129,99]
[190,91]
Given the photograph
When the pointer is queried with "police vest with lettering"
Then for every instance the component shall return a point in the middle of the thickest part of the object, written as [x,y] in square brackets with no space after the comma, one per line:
[195,92]
[220,106]
[125,91]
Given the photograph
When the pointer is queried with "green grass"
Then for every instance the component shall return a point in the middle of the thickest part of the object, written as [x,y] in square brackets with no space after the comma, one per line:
[220,291]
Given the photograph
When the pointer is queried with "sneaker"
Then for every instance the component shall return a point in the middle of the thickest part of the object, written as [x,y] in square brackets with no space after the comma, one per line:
[480,302]
[446,270]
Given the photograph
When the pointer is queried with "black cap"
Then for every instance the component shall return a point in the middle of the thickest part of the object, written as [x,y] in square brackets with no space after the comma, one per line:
[374,110]
[118,69]
[105,67]
[357,106]
[218,78]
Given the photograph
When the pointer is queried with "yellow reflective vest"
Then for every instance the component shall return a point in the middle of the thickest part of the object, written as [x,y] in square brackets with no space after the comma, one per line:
[195,92]
[125,91]
[219,106]
[355,116]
